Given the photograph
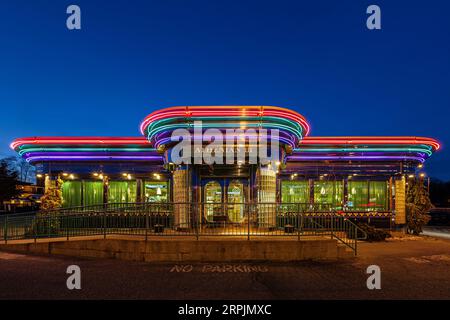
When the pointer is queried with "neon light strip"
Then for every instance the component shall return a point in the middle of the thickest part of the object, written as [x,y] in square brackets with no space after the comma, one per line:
[50,149]
[304,141]
[224,111]
[336,158]
[103,158]
[406,149]
[71,154]
[228,124]
[79,140]
[222,126]
[261,121]
[167,140]
[370,140]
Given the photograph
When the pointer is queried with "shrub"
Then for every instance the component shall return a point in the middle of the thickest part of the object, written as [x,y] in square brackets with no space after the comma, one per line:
[418,204]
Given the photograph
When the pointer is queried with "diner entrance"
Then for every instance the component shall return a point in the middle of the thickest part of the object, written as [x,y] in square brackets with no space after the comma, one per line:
[224,199]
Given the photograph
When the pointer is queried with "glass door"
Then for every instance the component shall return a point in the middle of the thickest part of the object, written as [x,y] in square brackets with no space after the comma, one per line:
[212,192]
[235,200]
[224,199]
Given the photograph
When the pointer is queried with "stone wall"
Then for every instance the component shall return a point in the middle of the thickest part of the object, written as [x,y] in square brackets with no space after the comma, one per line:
[189,250]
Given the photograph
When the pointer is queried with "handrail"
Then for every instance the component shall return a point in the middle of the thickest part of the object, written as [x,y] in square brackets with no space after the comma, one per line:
[351,229]
[184,218]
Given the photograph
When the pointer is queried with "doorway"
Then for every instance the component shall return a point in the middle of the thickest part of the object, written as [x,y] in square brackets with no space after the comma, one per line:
[224,199]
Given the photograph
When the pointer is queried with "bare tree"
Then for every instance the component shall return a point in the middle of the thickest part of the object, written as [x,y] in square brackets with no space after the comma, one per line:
[25,171]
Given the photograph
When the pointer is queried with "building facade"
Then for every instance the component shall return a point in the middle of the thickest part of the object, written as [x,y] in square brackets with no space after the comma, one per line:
[360,177]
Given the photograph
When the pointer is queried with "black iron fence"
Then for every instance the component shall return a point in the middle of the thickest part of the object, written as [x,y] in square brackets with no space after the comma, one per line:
[249,220]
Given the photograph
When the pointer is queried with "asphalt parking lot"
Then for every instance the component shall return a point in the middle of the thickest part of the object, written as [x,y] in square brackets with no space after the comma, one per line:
[411,268]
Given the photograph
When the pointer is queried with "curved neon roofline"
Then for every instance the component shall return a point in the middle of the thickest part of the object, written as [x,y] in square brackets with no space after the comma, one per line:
[306,141]
[223,111]
[224,117]
[358,140]
[139,148]
[100,141]
[363,158]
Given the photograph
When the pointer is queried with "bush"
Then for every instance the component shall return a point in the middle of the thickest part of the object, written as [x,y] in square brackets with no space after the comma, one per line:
[373,234]
[418,204]
[44,226]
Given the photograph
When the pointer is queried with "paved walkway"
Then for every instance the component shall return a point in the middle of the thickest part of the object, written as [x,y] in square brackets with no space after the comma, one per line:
[437,231]
[411,267]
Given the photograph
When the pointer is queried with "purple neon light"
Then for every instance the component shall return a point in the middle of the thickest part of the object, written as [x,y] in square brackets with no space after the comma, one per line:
[105,158]
[303,158]
[166,140]
[87,153]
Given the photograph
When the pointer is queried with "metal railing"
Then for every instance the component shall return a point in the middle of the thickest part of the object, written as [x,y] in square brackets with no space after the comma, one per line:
[184,219]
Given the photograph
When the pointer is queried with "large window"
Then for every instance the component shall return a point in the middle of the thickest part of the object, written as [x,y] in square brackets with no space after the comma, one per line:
[367,195]
[328,194]
[71,194]
[295,191]
[358,195]
[378,195]
[92,193]
[82,193]
[122,191]
[155,191]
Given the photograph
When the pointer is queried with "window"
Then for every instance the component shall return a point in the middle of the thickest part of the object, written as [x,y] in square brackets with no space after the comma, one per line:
[358,195]
[82,193]
[155,191]
[122,191]
[71,194]
[92,193]
[295,191]
[328,194]
[378,198]
[367,195]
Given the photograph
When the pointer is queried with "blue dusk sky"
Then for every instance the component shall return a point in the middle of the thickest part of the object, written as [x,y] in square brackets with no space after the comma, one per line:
[317,57]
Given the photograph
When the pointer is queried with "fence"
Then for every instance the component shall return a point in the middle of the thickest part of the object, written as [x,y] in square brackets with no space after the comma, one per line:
[249,220]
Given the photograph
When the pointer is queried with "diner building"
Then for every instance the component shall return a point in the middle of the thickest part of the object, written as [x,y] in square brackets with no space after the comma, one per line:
[360,177]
